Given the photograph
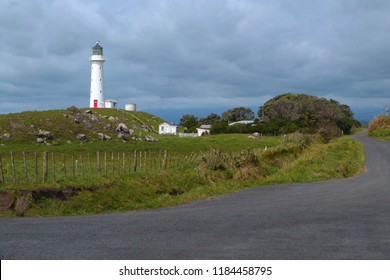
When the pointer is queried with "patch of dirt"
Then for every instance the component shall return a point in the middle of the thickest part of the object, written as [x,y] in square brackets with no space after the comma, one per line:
[7,200]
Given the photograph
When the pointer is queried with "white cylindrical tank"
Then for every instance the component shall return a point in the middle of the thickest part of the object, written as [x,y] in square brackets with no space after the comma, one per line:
[97,91]
[130,107]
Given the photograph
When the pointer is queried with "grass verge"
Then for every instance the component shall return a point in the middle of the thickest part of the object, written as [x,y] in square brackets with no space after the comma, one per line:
[381,134]
[341,158]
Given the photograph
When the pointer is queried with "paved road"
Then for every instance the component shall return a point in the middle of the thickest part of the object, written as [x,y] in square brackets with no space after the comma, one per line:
[341,219]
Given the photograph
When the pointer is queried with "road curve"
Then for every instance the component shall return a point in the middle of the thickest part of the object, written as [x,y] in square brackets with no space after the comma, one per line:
[339,219]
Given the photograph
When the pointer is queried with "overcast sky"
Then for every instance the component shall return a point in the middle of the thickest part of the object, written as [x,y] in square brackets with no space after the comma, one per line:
[197,56]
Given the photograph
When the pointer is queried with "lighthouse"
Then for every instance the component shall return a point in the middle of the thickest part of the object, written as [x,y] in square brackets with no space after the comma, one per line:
[97,93]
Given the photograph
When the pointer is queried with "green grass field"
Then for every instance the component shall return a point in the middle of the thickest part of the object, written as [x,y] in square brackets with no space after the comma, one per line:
[23,164]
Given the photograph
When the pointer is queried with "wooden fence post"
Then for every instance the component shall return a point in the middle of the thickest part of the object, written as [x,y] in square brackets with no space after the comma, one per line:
[119,164]
[135,161]
[129,162]
[25,167]
[73,168]
[140,160]
[98,163]
[45,167]
[113,163]
[145,161]
[165,160]
[105,163]
[155,162]
[160,160]
[1,171]
[82,164]
[53,162]
[90,165]
[36,166]
[13,167]
[64,164]
[124,162]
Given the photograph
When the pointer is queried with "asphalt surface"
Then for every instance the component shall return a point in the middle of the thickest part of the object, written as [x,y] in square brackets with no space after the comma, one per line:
[339,219]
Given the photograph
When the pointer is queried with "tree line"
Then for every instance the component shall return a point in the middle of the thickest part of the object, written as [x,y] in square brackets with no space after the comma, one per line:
[286,113]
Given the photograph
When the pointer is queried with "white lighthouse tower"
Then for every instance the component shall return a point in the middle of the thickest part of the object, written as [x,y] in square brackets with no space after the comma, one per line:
[97,94]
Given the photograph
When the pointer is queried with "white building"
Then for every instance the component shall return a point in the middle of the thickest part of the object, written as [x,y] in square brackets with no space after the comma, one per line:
[97,94]
[204,129]
[242,122]
[110,103]
[166,128]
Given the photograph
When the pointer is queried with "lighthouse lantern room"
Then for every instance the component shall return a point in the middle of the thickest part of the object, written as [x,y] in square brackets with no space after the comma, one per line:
[97,93]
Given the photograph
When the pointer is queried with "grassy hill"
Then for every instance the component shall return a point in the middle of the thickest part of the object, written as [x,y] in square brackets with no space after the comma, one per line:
[380,128]
[66,125]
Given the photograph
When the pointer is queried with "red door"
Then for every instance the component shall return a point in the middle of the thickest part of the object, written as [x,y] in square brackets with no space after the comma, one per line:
[95,103]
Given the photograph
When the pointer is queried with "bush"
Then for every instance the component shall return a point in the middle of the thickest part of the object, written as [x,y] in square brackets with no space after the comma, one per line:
[214,160]
[243,166]
[297,139]
[329,132]
[379,123]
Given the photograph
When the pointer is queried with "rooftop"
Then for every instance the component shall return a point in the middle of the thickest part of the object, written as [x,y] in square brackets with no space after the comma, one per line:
[97,49]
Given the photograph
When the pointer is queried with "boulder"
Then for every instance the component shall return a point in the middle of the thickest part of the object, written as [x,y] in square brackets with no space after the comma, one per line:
[103,137]
[150,138]
[254,136]
[122,128]
[5,136]
[73,109]
[93,118]
[122,135]
[45,134]
[40,140]
[81,137]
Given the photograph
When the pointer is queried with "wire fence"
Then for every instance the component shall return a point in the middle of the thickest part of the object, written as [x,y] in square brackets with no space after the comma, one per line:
[44,167]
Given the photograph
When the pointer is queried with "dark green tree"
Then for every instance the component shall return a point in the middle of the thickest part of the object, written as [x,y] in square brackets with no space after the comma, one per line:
[238,114]
[291,112]
[219,127]
[210,119]
[190,122]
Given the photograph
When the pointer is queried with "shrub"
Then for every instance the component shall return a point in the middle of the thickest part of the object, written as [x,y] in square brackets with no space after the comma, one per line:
[246,158]
[214,160]
[379,123]
[297,139]
[329,132]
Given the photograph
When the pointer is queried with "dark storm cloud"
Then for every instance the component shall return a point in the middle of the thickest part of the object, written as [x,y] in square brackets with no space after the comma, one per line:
[194,53]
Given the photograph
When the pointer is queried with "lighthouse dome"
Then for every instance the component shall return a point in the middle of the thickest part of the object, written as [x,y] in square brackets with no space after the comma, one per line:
[97,49]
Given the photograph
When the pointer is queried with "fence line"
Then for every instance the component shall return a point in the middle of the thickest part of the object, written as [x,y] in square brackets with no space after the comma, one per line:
[43,167]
